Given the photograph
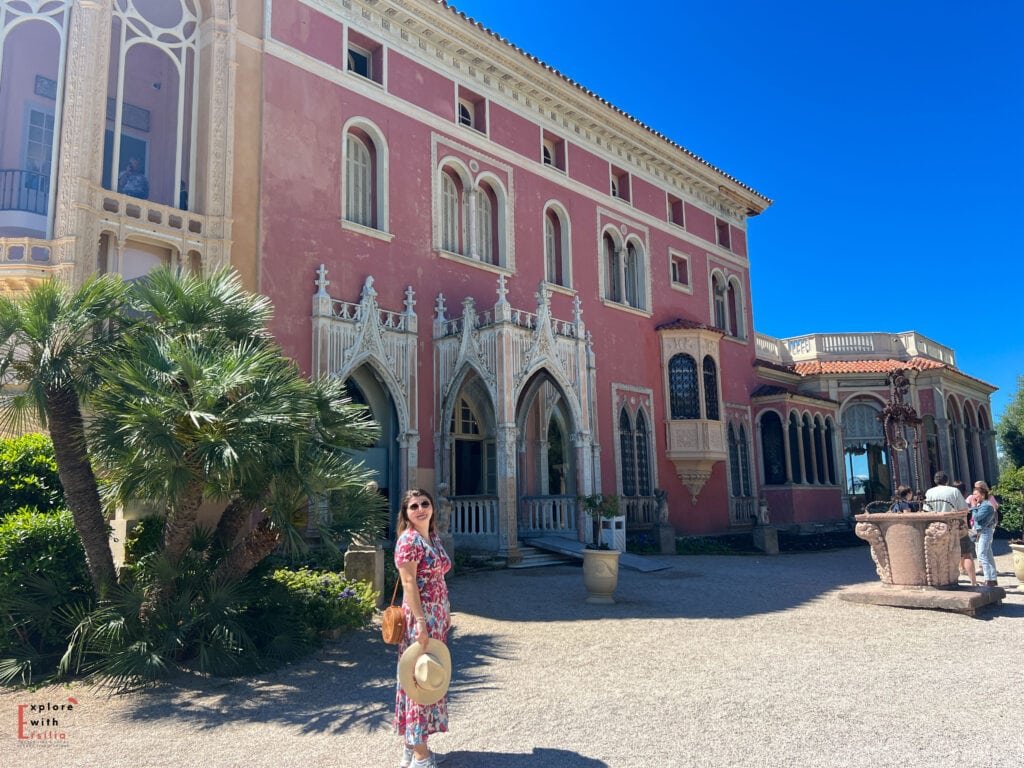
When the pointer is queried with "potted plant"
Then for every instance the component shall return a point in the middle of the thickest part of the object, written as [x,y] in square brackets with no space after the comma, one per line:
[600,562]
[1010,493]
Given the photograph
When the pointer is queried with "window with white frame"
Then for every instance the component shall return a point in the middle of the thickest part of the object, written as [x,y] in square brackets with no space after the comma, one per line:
[556,247]
[553,151]
[364,188]
[471,220]
[688,390]
[634,455]
[487,226]
[620,184]
[679,265]
[471,110]
[675,210]
[633,276]
[453,209]
[364,57]
[739,462]
[718,291]
[724,236]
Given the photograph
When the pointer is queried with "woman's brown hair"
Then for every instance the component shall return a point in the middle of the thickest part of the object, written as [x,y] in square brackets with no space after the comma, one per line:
[403,514]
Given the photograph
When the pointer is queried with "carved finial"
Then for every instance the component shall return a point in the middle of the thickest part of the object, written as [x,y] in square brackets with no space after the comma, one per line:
[577,309]
[468,305]
[410,301]
[543,295]
[321,281]
[439,308]
[502,290]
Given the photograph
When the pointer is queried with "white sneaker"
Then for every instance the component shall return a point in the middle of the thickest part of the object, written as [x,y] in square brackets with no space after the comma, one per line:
[406,758]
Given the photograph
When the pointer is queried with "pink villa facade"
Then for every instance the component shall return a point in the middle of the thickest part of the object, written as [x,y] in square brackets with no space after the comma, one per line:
[537,296]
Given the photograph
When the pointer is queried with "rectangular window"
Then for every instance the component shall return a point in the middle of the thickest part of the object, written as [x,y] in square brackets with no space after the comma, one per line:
[723,233]
[619,184]
[471,110]
[680,266]
[675,210]
[364,57]
[553,151]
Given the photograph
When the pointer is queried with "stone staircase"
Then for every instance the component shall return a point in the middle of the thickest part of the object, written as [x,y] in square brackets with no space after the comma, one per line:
[537,558]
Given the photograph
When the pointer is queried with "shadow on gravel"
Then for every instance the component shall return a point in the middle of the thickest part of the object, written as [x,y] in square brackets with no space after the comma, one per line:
[696,587]
[539,758]
[350,683]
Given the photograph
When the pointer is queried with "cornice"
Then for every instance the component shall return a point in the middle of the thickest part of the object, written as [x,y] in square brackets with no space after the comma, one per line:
[434,31]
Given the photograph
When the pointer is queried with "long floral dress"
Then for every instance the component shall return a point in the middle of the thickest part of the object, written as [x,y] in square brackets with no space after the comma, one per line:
[413,720]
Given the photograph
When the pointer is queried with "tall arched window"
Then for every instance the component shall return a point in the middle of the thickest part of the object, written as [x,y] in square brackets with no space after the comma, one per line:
[633,276]
[805,434]
[151,125]
[359,173]
[830,451]
[626,454]
[972,468]
[955,437]
[773,449]
[684,395]
[486,226]
[613,271]
[931,442]
[985,440]
[643,463]
[794,448]
[718,297]
[710,389]
[819,451]
[552,248]
[745,483]
[735,484]
[453,233]
[734,308]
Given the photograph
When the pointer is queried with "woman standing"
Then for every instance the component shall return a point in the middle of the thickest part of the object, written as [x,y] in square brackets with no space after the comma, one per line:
[422,564]
[984,515]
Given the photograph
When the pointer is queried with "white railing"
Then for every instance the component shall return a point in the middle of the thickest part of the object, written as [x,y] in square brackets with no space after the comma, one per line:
[916,344]
[769,348]
[547,514]
[474,516]
[353,311]
[640,510]
[742,510]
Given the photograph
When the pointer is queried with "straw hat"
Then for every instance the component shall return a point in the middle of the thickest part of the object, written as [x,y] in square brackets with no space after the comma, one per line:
[425,675]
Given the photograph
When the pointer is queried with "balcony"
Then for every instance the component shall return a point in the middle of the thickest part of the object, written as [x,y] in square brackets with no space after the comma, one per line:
[24,199]
[852,346]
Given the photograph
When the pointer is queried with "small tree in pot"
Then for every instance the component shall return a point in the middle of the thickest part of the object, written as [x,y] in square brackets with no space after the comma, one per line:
[600,507]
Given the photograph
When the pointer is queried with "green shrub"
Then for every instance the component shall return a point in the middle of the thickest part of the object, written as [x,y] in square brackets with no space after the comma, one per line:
[28,475]
[43,584]
[1010,493]
[144,538]
[328,601]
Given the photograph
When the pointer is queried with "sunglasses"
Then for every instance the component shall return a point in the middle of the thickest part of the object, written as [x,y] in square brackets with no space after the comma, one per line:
[419,505]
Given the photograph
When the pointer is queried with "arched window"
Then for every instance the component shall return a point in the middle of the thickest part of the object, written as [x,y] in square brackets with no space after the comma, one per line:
[931,441]
[633,276]
[819,451]
[556,246]
[613,271]
[744,462]
[773,449]
[734,308]
[805,434]
[148,151]
[735,484]
[710,389]
[830,451]
[473,452]
[627,455]
[684,395]
[453,233]
[643,463]
[985,440]
[718,297]
[794,448]
[359,180]
[486,226]
[955,437]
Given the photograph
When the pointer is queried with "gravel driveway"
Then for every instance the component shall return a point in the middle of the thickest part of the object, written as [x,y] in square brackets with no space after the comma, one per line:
[716,661]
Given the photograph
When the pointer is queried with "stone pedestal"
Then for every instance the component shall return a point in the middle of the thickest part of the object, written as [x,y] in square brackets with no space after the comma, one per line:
[667,539]
[966,600]
[766,539]
[366,563]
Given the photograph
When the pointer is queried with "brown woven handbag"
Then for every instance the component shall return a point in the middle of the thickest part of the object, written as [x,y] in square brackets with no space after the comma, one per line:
[392,621]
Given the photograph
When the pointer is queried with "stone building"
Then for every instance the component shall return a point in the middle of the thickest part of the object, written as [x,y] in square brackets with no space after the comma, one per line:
[537,295]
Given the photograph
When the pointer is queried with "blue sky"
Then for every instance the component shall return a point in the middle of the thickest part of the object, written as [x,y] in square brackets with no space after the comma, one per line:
[888,133]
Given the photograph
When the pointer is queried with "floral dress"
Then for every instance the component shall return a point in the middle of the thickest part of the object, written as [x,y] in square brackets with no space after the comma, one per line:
[416,721]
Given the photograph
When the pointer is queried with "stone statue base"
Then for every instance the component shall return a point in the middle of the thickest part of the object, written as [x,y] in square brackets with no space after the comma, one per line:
[766,539]
[667,538]
[366,563]
[966,600]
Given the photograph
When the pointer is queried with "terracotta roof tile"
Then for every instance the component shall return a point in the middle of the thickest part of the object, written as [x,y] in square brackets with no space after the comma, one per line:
[681,324]
[818,367]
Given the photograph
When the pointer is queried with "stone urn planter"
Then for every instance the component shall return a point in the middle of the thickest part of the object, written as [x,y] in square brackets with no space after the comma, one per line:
[600,574]
[914,549]
[1018,559]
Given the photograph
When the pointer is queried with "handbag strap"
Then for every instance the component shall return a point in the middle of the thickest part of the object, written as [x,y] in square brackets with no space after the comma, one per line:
[395,593]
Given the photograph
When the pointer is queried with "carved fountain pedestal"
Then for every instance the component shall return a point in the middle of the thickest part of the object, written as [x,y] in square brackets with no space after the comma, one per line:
[917,556]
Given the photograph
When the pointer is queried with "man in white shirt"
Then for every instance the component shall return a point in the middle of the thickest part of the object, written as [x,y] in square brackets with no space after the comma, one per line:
[943,497]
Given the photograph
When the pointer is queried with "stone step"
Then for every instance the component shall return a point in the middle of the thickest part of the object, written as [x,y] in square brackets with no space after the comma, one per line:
[535,558]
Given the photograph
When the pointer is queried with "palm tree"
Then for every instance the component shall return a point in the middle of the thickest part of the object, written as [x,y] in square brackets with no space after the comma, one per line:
[52,340]
[202,408]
